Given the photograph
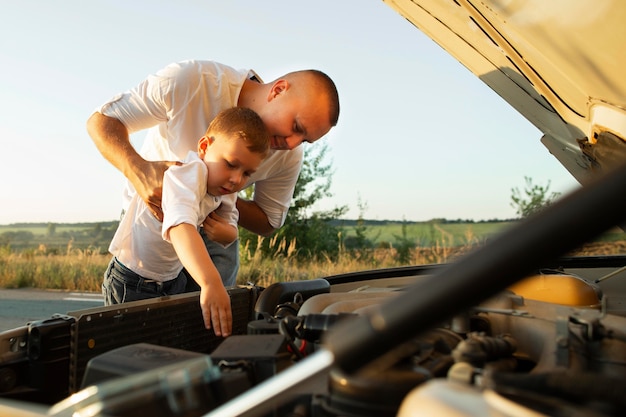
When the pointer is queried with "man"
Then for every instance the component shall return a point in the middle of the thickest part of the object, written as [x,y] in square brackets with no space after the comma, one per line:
[177,104]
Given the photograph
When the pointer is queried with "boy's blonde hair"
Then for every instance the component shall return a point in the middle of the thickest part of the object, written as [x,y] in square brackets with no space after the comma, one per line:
[241,123]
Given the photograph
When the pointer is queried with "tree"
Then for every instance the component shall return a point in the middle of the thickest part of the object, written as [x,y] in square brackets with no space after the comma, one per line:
[535,198]
[310,231]
[97,230]
[403,245]
[360,242]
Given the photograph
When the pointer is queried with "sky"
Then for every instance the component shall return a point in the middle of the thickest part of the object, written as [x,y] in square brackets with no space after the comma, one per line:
[419,137]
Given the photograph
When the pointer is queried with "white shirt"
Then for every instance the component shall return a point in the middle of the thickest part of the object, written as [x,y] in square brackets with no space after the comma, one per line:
[141,242]
[178,103]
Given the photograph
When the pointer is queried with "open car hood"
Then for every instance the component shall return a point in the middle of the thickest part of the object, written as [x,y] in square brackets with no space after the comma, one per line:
[560,63]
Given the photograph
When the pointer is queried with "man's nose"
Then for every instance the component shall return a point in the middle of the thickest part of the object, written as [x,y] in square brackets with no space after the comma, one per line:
[294,141]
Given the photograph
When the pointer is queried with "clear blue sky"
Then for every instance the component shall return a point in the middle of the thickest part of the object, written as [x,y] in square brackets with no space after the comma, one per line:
[419,136]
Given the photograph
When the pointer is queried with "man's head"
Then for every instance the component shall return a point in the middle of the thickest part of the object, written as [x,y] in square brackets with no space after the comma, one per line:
[233,147]
[301,106]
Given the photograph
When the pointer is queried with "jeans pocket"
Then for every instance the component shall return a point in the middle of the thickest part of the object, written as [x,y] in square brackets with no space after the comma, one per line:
[113,288]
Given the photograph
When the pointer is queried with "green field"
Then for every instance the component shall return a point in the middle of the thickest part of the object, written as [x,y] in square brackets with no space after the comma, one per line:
[74,256]
[62,237]
[57,237]
[426,234]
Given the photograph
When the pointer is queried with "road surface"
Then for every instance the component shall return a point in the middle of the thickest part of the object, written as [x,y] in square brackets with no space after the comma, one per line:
[19,306]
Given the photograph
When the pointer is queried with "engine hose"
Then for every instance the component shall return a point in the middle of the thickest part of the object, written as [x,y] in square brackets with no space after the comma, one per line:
[306,328]
[577,387]
[287,328]
[314,326]
[479,348]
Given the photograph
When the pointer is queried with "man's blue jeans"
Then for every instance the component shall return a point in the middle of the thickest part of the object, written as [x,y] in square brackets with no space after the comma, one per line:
[226,260]
[122,285]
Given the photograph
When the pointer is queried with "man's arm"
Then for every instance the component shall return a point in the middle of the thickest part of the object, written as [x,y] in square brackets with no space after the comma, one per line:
[253,218]
[214,298]
[113,141]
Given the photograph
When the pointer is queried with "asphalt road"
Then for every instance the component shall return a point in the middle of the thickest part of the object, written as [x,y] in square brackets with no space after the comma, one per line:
[19,306]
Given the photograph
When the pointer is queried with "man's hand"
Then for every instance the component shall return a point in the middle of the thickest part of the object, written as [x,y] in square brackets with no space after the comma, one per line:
[113,141]
[219,230]
[147,178]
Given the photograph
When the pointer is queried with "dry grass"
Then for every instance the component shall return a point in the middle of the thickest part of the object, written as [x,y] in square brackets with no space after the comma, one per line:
[79,270]
[265,270]
[82,270]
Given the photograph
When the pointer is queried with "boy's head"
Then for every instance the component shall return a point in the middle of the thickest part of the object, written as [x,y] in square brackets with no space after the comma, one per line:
[232,148]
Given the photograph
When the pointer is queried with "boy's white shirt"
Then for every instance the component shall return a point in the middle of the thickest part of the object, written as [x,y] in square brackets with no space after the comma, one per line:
[141,242]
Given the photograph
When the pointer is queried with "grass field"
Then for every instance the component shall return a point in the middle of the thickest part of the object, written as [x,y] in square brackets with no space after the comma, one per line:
[74,256]
[59,237]
[426,233]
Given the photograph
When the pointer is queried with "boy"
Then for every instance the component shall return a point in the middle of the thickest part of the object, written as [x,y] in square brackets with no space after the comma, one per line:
[148,255]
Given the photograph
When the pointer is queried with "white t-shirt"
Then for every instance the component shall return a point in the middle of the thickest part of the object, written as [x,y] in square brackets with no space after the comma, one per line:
[141,242]
[178,103]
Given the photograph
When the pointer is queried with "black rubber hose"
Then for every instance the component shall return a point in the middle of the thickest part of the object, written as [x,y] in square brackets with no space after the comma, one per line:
[576,387]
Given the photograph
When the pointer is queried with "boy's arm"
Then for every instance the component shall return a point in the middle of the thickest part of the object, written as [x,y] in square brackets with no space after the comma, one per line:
[214,298]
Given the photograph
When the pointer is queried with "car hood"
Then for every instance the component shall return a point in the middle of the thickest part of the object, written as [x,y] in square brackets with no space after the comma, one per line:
[560,63]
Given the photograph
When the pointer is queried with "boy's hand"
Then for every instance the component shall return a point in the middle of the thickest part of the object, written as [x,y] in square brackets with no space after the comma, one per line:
[216,311]
[218,229]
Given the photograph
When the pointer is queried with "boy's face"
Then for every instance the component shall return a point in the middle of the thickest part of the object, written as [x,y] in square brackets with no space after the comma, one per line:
[230,164]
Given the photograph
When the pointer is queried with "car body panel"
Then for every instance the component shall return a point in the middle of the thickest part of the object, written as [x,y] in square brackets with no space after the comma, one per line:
[558,63]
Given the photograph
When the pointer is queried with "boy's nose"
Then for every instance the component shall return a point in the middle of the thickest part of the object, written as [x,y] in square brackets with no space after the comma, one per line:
[235,178]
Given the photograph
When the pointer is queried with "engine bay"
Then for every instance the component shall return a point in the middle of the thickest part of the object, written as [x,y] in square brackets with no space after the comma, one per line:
[551,344]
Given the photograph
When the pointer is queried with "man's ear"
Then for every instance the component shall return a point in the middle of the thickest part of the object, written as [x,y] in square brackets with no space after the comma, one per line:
[203,145]
[279,87]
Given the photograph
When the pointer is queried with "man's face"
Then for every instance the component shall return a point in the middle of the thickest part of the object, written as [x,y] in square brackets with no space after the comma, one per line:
[296,116]
[230,164]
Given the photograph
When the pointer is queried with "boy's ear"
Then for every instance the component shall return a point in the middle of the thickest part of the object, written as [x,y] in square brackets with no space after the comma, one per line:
[279,87]
[203,145]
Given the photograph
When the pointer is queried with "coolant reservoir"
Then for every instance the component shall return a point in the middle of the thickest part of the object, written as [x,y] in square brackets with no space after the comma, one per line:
[565,290]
